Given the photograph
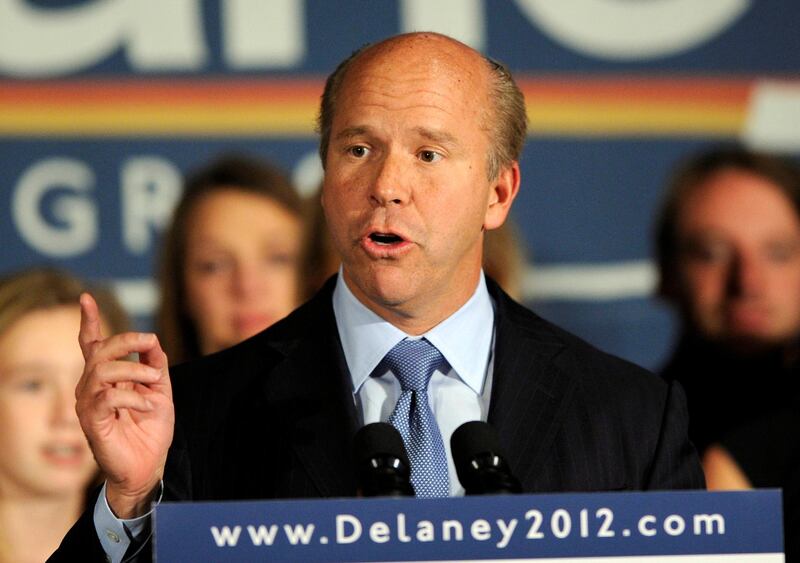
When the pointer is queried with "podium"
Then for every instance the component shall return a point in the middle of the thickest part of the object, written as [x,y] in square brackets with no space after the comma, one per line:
[630,527]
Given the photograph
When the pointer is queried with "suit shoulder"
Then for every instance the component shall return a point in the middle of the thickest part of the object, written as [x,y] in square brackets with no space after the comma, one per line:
[209,384]
[580,359]
[257,354]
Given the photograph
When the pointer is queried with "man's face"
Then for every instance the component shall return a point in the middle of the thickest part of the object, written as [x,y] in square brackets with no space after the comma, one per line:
[739,241]
[406,194]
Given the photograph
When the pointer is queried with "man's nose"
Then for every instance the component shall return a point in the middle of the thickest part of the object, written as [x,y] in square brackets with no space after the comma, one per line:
[747,275]
[390,184]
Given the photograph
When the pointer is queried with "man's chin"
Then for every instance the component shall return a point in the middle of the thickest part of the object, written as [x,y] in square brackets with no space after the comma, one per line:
[391,296]
[390,288]
[748,344]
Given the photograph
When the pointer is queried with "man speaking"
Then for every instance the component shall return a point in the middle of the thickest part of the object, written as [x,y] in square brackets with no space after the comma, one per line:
[420,138]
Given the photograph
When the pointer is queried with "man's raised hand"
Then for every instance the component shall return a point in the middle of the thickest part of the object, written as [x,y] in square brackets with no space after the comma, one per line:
[125,409]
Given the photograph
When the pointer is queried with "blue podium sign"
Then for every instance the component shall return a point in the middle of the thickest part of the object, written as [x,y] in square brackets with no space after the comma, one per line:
[694,526]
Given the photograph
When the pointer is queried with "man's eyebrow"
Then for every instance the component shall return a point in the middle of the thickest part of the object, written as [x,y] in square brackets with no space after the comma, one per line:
[350,132]
[436,136]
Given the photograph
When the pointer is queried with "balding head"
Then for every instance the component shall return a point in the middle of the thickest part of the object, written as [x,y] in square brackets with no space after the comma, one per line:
[500,102]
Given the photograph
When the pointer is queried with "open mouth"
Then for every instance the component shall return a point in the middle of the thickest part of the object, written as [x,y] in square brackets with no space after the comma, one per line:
[385,239]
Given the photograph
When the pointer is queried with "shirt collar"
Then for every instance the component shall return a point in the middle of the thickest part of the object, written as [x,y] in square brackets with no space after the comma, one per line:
[464,338]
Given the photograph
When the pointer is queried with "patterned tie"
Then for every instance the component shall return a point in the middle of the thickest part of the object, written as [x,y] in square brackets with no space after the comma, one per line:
[413,363]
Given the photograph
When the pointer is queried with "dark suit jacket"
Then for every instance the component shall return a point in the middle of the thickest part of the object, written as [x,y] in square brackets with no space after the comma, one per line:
[273,417]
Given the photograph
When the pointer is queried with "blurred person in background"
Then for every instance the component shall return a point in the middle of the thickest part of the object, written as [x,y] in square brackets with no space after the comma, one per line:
[230,258]
[504,258]
[763,452]
[46,467]
[503,254]
[320,260]
[728,243]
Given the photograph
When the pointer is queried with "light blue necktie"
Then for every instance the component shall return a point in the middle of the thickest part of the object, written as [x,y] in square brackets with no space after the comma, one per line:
[413,363]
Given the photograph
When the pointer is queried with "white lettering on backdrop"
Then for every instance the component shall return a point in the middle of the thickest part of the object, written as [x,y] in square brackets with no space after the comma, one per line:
[77,216]
[624,30]
[162,36]
[150,187]
[69,224]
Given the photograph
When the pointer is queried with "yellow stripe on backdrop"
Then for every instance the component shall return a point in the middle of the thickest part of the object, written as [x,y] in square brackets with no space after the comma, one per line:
[557,106]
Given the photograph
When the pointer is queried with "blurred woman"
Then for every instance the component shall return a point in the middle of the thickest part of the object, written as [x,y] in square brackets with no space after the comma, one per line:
[229,266]
[320,260]
[46,466]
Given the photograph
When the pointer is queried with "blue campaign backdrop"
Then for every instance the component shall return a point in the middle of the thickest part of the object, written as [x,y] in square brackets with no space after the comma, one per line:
[617,93]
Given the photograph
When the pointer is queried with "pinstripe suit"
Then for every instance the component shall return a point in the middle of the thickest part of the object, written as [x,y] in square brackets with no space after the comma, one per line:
[274,417]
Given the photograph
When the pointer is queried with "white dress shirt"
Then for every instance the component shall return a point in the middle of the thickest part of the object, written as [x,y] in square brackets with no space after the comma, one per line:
[465,339]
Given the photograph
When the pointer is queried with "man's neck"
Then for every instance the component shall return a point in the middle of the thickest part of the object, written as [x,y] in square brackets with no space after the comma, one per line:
[419,315]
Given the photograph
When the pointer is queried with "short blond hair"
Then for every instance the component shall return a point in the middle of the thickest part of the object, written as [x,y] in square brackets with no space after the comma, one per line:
[39,289]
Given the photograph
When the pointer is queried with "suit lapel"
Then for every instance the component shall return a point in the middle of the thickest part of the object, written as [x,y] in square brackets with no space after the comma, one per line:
[311,388]
[530,394]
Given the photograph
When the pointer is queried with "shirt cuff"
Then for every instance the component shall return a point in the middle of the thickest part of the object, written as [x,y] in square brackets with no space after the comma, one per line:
[116,534]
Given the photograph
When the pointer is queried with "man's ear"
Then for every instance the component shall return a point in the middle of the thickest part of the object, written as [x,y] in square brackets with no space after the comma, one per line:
[502,192]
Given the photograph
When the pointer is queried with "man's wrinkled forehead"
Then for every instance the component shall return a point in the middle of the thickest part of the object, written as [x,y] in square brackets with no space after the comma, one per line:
[432,69]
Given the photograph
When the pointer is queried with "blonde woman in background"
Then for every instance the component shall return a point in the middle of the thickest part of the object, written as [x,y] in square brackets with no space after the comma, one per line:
[46,467]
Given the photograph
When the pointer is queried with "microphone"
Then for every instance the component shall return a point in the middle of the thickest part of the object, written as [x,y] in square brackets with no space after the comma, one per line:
[382,468]
[480,463]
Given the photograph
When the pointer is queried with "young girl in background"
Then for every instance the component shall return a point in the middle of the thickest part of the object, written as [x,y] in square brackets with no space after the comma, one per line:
[46,467]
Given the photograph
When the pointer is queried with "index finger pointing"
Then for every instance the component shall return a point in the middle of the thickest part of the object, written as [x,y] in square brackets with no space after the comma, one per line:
[90,331]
